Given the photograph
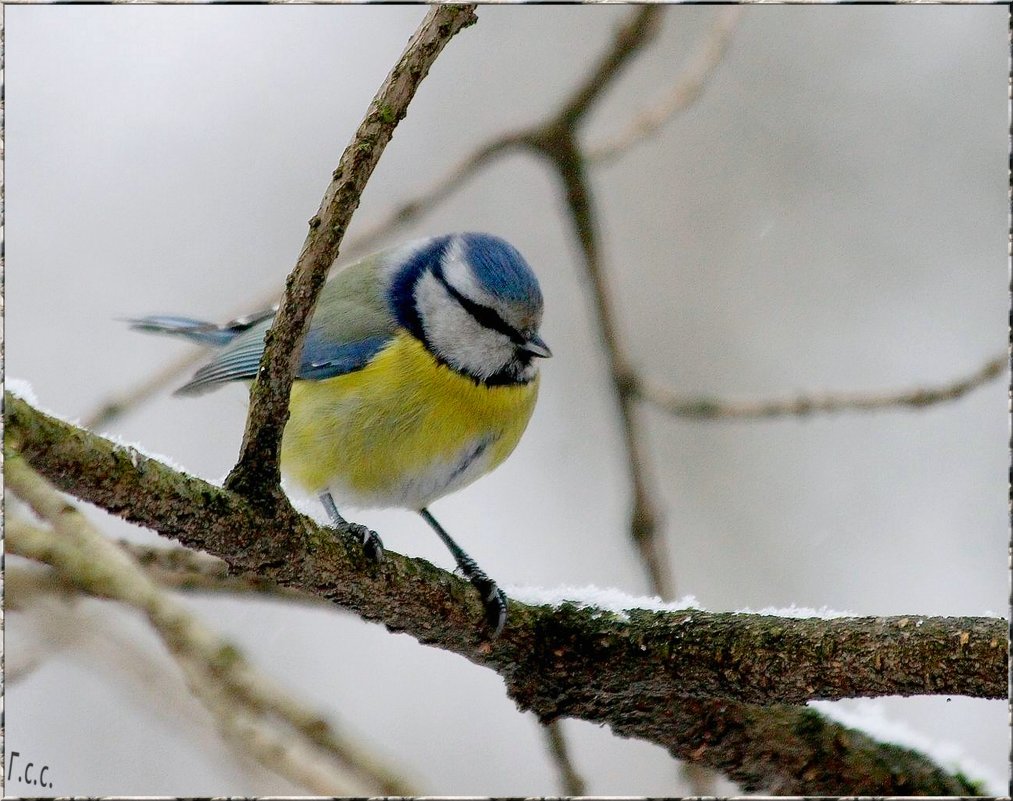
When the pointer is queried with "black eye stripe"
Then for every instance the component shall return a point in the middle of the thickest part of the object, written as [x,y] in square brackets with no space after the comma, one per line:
[483,315]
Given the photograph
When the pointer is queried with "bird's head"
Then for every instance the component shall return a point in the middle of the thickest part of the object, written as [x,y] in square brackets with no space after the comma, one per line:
[475,303]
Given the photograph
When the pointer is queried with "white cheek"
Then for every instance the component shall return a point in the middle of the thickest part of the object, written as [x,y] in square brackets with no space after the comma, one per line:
[456,336]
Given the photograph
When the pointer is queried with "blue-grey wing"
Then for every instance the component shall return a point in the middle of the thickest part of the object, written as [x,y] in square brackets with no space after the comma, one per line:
[351,325]
[320,360]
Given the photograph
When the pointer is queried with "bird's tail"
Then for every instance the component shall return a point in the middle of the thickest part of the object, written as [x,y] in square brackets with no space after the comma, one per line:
[197,330]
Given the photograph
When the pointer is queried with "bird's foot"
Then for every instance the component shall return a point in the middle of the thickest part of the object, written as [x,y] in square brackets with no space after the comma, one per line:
[494,600]
[372,545]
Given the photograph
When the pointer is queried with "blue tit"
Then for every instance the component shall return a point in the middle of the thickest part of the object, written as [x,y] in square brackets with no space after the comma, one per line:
[418,375]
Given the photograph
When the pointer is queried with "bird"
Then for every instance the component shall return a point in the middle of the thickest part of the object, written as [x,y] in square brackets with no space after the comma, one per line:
[418,375]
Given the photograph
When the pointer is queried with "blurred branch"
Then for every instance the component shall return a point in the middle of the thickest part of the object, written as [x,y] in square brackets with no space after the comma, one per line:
[556,140]
[243,701]
[687,680]
[571,781]
[183,569]
[256,474]
[112,407]
[413,209]
[688,87]
[23,588]
[708,408]
[173,568]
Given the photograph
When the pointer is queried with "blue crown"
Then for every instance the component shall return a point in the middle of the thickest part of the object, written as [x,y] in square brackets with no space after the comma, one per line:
[501,269]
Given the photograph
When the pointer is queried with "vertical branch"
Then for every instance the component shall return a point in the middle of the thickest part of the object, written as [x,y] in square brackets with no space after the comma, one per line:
[573,782]
[559,145]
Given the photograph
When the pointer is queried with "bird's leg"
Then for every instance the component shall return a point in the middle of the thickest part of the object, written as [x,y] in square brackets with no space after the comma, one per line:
[372,546]
[493,598]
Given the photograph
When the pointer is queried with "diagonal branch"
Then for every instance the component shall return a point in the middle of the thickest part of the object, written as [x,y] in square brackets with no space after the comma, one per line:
[641,27]
[687,89]
[256,473]
[242,700]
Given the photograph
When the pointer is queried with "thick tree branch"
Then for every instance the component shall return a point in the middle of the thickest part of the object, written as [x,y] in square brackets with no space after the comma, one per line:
[256,473]
[634,671]
[813,755]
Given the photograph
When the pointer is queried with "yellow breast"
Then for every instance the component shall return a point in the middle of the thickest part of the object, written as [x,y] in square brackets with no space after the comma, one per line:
[402,431]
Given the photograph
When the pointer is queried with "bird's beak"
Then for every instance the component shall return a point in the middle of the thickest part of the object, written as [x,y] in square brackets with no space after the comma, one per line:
[536,347]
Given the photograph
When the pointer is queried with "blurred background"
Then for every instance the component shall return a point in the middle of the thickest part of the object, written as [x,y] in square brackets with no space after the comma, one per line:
[830,215]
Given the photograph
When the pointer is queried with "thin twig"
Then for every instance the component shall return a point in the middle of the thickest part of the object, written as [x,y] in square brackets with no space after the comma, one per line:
[256,473]
[688,87]
[97,566]
[113,407]
[425,201]
[571,781]
[642,25]
[709,408]
[190,571]
[557,141]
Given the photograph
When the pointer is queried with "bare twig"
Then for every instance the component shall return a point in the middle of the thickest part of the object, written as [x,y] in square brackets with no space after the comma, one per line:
[629,39]
[426,200]
[111,408]
[256,473]
[557,141]
[707,408]
[238,695]
[687,89]
[571,781]
[183,569]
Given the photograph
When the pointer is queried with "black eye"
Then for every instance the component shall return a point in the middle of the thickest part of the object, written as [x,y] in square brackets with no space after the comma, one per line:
[483,315]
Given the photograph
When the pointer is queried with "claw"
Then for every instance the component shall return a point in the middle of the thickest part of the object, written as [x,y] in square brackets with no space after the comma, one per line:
[495,602]
[372,545]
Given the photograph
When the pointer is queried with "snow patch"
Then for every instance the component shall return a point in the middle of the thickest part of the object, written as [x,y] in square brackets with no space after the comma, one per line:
[605,598]
[870,717]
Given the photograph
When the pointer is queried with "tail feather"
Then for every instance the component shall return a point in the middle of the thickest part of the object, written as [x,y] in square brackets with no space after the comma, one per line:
[198,330]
